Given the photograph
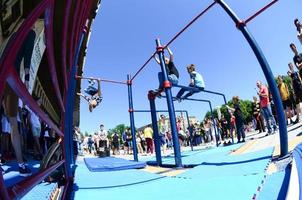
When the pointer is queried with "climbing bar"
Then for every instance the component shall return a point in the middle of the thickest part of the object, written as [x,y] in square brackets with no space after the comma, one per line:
[18,190]
[260,11]
[49,40]
[158,111]
[142,67]
[190,23]
[102,80]
[174,38]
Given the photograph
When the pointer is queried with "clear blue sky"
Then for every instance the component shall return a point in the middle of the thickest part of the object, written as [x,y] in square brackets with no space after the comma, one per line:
[123,38]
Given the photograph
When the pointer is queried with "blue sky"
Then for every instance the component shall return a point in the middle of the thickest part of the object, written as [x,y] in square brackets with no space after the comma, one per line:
[123,38]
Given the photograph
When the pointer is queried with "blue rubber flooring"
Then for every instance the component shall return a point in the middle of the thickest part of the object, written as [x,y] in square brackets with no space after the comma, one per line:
[219,176]
[275,186]
[40,192]
[111,164]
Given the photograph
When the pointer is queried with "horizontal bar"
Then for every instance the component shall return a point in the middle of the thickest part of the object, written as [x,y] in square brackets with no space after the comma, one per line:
[260,11]
[188,88]
[102,80]
[21,91]
[18,190]
[159,111]
[190,99]
[143,66]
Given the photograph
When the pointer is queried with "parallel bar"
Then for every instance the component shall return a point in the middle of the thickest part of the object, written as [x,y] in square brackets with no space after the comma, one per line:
[15,82]
[132,124]
[20,189]
[64,42]
[49,14]
[170,105]
[267,73]
[260,11]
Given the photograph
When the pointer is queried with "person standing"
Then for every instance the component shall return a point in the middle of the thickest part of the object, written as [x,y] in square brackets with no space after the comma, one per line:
[299,29]
[297,88]
[239,120]
[148,133]
[284,93]
[266,108]
[257,115]
[297,58]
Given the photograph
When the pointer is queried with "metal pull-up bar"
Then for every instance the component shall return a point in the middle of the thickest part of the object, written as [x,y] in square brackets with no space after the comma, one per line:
[176,36]
[260,11]
[102,80]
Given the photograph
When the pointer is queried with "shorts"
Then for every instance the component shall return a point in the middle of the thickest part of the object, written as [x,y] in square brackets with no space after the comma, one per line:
[10,102]
[36,131]
[181,137]
[298,95]
[286,104]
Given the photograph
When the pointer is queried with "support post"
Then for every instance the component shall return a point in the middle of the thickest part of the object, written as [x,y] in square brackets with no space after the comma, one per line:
[69,105]
[156,136]
[167,87]
[132,124]
[241,25]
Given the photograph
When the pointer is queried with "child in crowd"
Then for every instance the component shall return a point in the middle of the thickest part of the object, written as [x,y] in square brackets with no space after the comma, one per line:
[196,81]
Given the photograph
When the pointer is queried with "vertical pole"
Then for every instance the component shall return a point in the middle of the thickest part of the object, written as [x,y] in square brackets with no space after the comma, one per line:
[267,73]
[132,126]
[214,123]
[69,105]
[156,136]
[167,86]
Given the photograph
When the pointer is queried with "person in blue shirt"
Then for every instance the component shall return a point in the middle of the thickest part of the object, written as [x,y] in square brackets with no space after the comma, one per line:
[196,81]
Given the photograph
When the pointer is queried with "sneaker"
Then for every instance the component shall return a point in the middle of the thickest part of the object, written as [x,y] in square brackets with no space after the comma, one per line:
[24,171]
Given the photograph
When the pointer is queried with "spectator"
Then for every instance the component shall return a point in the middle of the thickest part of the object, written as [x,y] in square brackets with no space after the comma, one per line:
[257,115]
[266,108]
[299,29]
[115,144]
[148,133]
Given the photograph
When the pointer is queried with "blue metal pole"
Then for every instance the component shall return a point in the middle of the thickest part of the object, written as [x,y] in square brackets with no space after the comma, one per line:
[69,105]
[267,73]
[167,87]
[132,124]
[156,136]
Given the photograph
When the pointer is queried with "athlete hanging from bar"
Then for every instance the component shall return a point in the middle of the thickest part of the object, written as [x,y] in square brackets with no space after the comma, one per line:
[95,94]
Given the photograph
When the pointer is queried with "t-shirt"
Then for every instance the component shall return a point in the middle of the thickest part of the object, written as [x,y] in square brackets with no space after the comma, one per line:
[34,119]
[238,115]
[171,69]
[198,79]
[296,81]
[283,92]
[300,37]
[264,101]
[148,132]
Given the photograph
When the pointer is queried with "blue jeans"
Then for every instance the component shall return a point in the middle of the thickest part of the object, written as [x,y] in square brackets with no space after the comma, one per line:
[91,90]
[172,78]
[268,116]
[190,93]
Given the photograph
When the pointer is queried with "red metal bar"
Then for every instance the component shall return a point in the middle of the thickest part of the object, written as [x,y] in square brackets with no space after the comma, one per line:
[16,84]
[50,52]
[64,42]
[176,36]
[260,11]
[72,39]
[110,81]
[3,191]
[190,23]
[20,189]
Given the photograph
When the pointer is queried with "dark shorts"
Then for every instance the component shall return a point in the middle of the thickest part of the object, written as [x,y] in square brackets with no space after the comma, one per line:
[298,95]
[287,104]
[181,137]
